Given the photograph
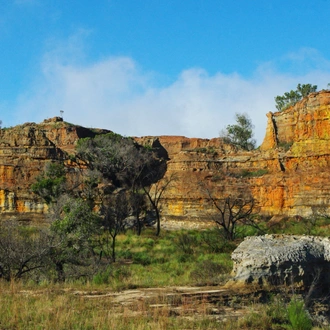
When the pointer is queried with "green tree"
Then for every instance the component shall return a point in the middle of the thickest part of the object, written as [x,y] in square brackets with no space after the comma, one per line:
[292,97]
[72,240]
[50,184]
[240,134]
[123,163]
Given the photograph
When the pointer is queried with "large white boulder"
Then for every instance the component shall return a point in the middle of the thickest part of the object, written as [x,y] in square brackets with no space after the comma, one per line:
[282,259]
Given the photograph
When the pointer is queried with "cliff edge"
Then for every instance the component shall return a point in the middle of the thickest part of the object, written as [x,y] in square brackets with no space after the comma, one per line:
[288,175]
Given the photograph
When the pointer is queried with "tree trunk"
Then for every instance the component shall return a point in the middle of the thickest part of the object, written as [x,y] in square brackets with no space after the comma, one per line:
[114,248]
[158,222]
[60,272]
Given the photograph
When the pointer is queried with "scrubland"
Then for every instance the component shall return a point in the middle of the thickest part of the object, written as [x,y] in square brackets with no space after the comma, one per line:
[171,281]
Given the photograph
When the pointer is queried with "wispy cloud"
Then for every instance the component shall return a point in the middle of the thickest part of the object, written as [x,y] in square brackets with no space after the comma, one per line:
[114,93]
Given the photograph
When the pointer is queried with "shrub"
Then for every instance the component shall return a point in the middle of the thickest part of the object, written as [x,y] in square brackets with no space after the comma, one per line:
[186,243]
[207,272]
[102,277]
[142,258]
[216,241]
[298,316]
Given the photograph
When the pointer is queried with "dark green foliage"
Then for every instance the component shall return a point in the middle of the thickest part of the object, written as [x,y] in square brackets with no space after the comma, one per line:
[240,134]
[186,242]
[73,236]
[285,145]
[292,97]
[79,222]
[122,163]
[111,273]
[142,258]
[119,159]
[51,183]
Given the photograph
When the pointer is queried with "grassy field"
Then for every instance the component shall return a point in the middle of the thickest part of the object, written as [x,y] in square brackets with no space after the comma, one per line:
[144,264]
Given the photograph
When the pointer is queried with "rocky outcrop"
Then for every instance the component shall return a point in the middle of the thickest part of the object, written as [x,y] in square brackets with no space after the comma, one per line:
[282,259]
[24,151]
[288,175]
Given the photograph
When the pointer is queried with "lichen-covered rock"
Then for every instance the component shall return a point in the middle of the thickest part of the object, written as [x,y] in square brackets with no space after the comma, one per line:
[281,259]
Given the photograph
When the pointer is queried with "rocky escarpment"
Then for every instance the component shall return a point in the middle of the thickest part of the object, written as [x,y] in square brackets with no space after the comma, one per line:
[282,259]
[24,151]
[288,175]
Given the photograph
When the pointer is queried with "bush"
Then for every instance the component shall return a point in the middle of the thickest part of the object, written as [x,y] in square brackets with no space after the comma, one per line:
[298,316]
[142,258]
[102,277]
[186,242]
[216,241]
[208,272]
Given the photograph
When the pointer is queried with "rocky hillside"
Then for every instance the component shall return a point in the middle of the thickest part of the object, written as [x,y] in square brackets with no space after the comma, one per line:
[287,175]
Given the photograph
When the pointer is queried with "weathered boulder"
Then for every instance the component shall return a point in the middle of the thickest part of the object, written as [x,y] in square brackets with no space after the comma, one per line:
[282,259]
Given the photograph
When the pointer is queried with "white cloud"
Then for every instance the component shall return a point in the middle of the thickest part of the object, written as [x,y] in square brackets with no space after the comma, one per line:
[114,93]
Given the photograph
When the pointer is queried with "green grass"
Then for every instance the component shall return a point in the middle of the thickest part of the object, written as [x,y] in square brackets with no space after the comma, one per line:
[53,308]
[175,258]
[169,259]
[318,226]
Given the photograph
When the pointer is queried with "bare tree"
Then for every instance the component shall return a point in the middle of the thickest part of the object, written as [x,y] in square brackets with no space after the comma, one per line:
[138,205]
[21,252]
[114,211]
[232,211]
[154,194]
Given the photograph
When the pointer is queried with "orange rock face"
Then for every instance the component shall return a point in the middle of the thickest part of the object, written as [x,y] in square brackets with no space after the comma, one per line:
[287,175]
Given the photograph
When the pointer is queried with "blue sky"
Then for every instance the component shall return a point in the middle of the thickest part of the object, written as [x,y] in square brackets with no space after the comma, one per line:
[153,67]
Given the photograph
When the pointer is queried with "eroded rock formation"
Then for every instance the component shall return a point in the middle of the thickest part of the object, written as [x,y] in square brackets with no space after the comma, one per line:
[24,151]
[282,259]
[288,175]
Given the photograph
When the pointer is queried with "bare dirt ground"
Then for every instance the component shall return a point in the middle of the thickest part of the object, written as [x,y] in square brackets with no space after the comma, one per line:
[190,302]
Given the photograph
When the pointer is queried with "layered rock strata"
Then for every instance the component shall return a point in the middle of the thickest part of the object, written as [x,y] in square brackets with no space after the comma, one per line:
[24,152]
[288,175]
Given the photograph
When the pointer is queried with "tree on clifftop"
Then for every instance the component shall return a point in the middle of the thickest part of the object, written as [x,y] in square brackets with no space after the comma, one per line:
[240,134]
[292,97]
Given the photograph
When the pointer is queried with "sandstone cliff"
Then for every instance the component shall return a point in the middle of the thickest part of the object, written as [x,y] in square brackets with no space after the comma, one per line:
[24,151]
[287,175]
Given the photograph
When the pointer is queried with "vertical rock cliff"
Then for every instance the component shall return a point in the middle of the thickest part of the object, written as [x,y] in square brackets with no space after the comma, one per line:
[287,175]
